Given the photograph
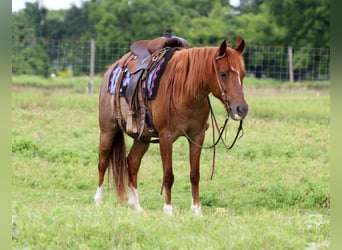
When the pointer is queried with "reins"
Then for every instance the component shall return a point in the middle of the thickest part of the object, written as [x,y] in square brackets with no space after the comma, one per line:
[219,129]
[214,121]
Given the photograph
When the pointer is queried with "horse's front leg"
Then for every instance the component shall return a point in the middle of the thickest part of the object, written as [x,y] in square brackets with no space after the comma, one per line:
[133,161]
[195,153]
[165,145]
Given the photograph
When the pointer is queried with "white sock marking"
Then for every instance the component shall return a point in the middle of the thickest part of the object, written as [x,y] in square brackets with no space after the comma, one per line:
[98,196]
[196,209]
[168,209]
[133,199]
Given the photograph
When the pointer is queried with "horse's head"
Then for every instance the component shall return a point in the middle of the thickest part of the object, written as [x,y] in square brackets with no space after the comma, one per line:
[227,84]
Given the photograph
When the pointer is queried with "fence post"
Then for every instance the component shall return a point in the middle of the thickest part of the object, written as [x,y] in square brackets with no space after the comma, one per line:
[92,65]
[290,64]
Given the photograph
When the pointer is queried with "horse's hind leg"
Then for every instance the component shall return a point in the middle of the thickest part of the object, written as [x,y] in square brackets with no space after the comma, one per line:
[133,160]
[105,148]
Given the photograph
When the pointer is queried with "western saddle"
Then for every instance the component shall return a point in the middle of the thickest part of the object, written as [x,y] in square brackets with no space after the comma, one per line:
[144,55]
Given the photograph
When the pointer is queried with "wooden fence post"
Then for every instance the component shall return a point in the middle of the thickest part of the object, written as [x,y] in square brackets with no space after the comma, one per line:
[290,64]
[92,66]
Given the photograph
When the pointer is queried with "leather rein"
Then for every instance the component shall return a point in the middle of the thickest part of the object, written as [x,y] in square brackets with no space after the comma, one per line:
[219,129]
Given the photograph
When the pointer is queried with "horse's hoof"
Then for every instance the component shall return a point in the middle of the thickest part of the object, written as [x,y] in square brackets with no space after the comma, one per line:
[135,206]
[97,200]
[197,210]
[133,200]
[139,210]
[168,209]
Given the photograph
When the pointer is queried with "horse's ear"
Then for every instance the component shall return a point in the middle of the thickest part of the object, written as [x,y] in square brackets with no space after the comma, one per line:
[223,48]
[240,44]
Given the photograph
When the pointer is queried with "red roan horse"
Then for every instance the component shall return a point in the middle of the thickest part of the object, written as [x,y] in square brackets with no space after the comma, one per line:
[180,108]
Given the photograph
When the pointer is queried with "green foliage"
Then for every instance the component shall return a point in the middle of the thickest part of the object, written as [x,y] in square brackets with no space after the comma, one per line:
[77,24]
[32,60]
[126,21]
[32,29]
[286,23]
[260,28]
[306,22]
[211,29]
[270,192]
[303,23]
[27,30]
[289,23]
[25,147]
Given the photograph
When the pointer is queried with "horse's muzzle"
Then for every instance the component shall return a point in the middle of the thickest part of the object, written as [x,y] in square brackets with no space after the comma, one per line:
[238,112]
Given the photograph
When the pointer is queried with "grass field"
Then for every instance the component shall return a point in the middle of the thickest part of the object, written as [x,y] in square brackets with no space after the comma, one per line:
[270,192]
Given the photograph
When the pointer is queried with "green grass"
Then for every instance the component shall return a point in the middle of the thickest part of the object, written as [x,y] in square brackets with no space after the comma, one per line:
[268,82]
[78,84]
[270,192]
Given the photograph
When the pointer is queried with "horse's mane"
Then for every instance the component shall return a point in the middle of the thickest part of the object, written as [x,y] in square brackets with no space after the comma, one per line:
[193,68]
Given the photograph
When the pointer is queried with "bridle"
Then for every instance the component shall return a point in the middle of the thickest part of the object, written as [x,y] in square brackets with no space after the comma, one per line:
[227,107]
[223,93]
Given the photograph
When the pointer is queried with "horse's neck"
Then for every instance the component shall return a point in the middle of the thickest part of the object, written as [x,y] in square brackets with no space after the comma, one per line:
[194,72]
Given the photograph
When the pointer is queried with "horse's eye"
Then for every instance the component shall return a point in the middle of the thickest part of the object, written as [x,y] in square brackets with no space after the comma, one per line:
[223,74]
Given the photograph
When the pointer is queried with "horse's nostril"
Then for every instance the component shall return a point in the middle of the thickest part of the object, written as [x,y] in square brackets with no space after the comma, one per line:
[241,110]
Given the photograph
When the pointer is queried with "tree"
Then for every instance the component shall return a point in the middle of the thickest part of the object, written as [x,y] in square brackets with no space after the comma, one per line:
[288,23]
[127,21]
[250,6]
[260,28]
[202,22]
[306,23]
[213,28]
[77,22]
[28,30]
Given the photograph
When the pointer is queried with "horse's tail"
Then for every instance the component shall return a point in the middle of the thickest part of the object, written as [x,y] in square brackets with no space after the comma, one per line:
[119,165]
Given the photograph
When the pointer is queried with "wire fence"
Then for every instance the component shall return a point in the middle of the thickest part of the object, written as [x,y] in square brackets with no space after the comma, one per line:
[287,63]
[281,63]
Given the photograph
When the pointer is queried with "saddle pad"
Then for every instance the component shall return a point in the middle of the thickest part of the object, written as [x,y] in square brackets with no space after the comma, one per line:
[114,78]
[151,83]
